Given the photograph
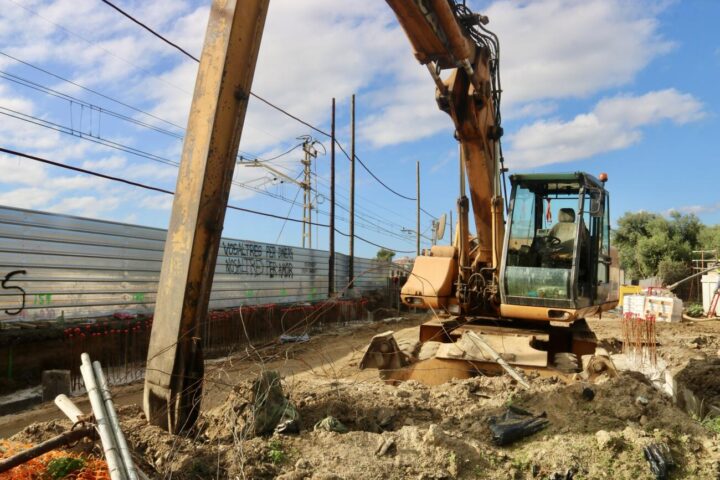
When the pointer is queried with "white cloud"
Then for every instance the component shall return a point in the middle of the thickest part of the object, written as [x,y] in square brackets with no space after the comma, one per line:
[529,110]
[26,197]
[161,201]
[550,50]
[696,209]
[613,124]
[114,162]
[443,162]
[553,49]
[86,205]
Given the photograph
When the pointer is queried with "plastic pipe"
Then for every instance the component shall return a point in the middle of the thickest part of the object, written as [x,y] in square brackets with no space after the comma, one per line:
[125,455]
[68,407]
[115,465]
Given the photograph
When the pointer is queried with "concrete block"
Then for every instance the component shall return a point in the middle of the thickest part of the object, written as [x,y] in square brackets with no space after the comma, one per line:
[55,382]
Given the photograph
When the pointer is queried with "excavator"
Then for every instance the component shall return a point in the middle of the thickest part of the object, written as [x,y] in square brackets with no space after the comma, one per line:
[517,292]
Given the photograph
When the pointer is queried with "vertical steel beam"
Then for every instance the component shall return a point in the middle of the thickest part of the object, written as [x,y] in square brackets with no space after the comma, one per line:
[417,174]
[174,375]
[351,260]
[331,262]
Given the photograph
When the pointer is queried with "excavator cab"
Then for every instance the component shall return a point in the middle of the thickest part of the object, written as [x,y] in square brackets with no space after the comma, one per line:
[557,248]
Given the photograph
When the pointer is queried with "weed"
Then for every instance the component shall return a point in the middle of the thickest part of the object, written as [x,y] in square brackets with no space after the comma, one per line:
[276,453]
[695,310]
[712,424]
[63,466]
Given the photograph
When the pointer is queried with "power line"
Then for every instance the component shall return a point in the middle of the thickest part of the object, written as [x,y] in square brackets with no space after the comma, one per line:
[373,175]
[189,55]
[64,96]
[150,30]
[111,144]
[94,92]
[267,102]
[150,156]
[170,192]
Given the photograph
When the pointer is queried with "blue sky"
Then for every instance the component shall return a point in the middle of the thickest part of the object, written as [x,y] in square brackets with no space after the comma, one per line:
[628,88]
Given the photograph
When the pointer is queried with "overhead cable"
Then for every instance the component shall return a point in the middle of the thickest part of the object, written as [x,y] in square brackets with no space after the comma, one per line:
[170,192]
[267,102]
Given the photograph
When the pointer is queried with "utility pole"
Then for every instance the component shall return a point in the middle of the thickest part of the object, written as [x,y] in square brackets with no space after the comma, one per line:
[331,262]
[417,171]
[306,185]
[351,260]
[310,153]
[175,368]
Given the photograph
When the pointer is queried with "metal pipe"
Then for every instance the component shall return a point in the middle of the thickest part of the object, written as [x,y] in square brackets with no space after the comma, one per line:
[442,88]
[331,262]
[351,258]
[114,422]
[112,456]
[680,282]
[417,175]
[497,358]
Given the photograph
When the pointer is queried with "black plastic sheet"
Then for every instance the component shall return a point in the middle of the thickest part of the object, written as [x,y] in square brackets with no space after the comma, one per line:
[515,424]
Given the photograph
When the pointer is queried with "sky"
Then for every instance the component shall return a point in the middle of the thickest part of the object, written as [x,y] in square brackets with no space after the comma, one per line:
[626,88]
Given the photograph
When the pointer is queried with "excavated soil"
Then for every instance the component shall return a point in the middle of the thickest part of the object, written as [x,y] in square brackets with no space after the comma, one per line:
[420,432]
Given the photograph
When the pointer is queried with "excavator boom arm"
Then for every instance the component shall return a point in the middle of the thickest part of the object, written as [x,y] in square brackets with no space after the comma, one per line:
[441,34]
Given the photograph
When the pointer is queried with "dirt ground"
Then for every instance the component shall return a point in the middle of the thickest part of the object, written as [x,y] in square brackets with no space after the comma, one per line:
[414,431]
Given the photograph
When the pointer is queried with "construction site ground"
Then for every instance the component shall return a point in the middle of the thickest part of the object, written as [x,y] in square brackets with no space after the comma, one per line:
[415,431]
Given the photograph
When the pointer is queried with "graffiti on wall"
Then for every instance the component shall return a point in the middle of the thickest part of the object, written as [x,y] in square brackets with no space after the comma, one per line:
[5,286]
[258,260]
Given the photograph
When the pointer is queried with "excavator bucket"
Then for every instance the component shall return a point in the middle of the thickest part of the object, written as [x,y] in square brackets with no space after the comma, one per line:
[384,353]
[466,350]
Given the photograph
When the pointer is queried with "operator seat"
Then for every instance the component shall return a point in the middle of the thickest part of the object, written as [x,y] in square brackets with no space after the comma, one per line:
[565,231]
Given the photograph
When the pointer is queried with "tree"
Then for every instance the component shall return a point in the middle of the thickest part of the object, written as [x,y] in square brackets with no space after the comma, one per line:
[646,241]
[709,238]
[385,255]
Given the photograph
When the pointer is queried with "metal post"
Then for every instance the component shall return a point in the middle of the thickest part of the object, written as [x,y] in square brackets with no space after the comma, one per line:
[417,171]
[307,192]
[174,373]
[452,239]
[331,263]
[351,259]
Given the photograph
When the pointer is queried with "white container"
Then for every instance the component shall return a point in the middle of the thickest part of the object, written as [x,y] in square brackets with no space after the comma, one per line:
[709,284]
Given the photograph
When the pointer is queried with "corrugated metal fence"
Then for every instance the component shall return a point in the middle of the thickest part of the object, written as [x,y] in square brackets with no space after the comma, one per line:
[58,266]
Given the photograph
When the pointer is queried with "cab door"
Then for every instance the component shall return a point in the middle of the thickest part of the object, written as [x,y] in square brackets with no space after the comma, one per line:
[593,254]
[603,288]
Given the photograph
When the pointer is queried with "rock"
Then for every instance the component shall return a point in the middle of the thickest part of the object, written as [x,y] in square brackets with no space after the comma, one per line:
[302,464]
[296,475]
[330,424]
[587,393]
[402,393]
[435,436]
[640,400]
[643,420]
[385,446]
[604,439]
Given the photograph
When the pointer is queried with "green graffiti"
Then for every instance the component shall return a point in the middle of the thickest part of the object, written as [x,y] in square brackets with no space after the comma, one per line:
[283,293]
[42,298]
[249,293]
[313,293]
[138,297]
